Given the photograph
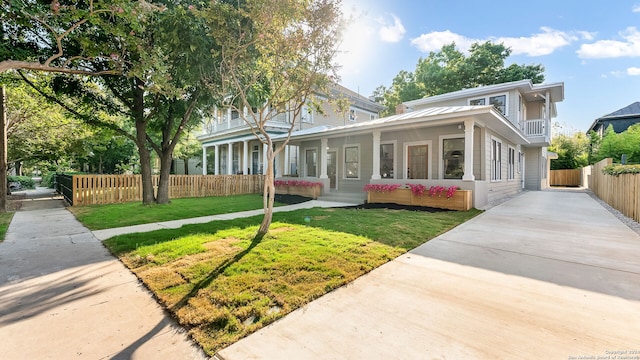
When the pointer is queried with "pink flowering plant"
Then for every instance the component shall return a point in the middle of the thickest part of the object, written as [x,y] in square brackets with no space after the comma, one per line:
[300,183]
[380,187]
[417,189]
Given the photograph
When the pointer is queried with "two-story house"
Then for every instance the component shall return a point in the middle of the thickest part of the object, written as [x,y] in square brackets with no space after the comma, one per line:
[490,139]
[229,146]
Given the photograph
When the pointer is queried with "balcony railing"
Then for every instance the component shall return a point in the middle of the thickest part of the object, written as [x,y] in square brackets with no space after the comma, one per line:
[535,127]
[223,123]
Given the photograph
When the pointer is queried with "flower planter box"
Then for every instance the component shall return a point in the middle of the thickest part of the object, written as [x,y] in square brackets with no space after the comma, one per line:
[306,191]
[461,200]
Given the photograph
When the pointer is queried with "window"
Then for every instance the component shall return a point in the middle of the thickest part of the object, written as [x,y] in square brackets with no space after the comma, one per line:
[311,157]
[306,116]
[418,162]
[511,169]
[496,160]
[499,102]
[352,162]
[372,117]
[387,154]
[453,156]
[520,161]
[352,115]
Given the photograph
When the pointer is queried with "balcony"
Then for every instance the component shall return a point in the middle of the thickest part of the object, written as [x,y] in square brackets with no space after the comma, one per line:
[536,130]
[226,123]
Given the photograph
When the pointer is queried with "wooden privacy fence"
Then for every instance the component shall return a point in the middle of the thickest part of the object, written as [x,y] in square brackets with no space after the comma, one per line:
[568,177]
[111,189]
[621,192]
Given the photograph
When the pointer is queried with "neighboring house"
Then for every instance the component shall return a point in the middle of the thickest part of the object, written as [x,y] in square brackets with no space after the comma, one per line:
[620,119]
[491,139]
[229,146]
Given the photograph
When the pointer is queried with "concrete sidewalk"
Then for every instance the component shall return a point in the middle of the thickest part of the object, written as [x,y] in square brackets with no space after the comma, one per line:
[174,224]
[63,296]
[546,275]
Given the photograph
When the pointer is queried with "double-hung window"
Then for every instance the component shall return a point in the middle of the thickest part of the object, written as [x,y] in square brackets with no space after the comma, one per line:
[511,169]
[498,101]
[496,160]
[352,162]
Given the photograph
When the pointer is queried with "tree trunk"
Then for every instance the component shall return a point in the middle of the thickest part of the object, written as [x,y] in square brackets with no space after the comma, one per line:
[186,166]
[165,173]
[18,167]
[148,196]
[268,195]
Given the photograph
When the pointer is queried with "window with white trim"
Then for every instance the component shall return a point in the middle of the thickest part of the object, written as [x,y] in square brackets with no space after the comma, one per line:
[387,159]
[496,160]
[511,169]
[520,155]
[352,162]
[498,101]
[311,162]
[352,115]
[306,115]
[453,158]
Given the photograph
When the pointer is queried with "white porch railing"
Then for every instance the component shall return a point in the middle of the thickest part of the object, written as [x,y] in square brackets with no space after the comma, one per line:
[536,127]
[223,123]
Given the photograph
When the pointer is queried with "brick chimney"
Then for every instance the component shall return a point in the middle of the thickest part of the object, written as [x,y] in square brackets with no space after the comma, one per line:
[401,109]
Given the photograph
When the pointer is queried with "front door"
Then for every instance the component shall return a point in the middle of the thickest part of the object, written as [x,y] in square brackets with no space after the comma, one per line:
[418,162]
[332,169]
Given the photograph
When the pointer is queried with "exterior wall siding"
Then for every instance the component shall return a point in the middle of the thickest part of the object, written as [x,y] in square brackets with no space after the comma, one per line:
[499,189]
[533,158]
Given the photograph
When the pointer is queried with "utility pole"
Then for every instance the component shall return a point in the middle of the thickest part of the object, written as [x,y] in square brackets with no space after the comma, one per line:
[3,150]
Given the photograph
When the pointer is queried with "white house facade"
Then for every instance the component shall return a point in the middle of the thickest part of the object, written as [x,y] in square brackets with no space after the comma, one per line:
[490,139]
[229,146]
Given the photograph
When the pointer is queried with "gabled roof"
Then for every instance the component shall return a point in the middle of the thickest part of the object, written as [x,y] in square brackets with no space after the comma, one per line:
[486,115]
[628,111]
[556,91]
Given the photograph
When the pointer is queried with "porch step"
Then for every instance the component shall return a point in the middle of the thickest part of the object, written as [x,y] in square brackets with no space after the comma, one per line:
[344,198]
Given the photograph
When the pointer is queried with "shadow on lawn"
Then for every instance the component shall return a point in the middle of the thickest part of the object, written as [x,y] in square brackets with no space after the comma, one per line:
[214,274]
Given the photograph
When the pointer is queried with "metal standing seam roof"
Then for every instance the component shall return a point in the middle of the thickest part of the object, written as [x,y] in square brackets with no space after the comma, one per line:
[418,116]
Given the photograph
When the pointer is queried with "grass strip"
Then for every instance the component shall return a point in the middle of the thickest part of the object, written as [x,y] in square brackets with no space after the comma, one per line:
[5,220]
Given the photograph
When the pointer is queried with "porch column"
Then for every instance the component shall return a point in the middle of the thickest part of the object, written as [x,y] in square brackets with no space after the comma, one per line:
[287,160]
[376,156]
[547,121]
[265,159]
[280,164]
[204,160]
[216,159]
[324,142]
[245,158]
[468,151]
[230,159]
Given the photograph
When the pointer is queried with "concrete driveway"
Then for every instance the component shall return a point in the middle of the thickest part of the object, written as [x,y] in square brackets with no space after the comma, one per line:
[546,275]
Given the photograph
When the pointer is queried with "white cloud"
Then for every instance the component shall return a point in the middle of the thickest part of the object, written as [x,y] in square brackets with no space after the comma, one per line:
[391,33]
[636,8]
[434,41]
[586,35]
[543,43]
[629,47]
[633,71]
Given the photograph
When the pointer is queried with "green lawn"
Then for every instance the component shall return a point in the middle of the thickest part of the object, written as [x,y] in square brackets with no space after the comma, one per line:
[221,285]
[5,220]
[96,217]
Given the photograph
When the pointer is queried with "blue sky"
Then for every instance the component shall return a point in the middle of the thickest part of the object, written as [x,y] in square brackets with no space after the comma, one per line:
[591,46]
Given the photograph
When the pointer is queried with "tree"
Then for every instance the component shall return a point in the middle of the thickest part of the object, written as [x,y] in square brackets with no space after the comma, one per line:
[188,148]
[614,145]
[572,151]
[153,60]
[38,131]
[275,54]
[450,70]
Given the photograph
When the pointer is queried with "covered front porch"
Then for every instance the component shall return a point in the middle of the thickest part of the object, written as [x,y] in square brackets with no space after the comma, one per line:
[431,147]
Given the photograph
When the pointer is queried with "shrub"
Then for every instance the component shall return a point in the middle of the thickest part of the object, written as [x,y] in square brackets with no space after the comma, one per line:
[617,169]
[25,181]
